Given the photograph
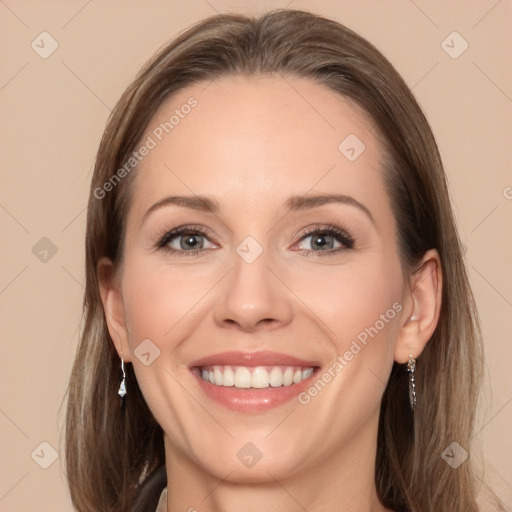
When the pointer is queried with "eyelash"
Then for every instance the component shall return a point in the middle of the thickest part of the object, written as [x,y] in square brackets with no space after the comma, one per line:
[166,236]
[340,235]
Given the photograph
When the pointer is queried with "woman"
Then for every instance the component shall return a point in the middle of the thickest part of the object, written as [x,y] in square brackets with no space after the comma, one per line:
[275,286]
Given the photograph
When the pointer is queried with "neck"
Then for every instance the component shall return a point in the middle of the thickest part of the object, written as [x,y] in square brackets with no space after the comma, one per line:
[344,481]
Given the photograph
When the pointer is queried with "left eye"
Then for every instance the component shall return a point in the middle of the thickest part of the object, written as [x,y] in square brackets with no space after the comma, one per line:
[326,240]
[320,241]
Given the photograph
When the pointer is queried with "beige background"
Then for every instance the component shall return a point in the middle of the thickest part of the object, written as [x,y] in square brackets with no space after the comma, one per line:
[53,112]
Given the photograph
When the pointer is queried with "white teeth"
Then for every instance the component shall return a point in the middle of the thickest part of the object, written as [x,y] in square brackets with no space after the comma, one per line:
[258,377]
[307,373]
[242,377]
[228,378]
[276,377]
[218,376]
[288,377]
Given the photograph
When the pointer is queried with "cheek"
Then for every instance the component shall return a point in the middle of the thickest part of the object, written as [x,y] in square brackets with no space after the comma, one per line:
[162,305]
[157,299]
[351,299]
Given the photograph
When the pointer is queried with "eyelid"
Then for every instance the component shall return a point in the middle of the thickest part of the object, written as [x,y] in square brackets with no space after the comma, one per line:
[163,236]
[342,236]
[329,228]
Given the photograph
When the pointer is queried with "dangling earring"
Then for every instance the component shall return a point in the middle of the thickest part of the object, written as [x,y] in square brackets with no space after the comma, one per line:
[411,368]
[122,386]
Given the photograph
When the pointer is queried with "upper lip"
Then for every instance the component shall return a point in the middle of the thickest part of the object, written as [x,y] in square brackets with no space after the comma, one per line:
[261,358]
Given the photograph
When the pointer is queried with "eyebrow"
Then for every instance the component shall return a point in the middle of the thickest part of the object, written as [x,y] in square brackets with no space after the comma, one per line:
[313,201]
[293,203]
[199,203]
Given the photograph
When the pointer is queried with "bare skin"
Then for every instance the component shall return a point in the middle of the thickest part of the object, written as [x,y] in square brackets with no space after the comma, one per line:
[249,145]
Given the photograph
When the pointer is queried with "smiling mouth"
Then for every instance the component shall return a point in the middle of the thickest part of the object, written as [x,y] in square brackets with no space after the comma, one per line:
[253,382]
[253,377]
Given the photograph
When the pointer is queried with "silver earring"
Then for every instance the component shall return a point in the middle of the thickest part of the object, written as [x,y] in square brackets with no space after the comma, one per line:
[411,368]
[122,386]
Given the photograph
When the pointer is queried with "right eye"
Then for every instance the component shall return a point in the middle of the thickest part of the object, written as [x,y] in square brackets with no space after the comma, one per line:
[185,240]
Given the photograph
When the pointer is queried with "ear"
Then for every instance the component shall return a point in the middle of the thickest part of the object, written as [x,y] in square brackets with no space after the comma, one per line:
[422,308]
[111,297]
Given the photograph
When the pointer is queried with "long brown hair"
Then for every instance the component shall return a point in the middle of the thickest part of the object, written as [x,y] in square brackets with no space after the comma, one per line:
[112,452]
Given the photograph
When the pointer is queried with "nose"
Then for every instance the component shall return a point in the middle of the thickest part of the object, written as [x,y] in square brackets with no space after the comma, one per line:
[253,298]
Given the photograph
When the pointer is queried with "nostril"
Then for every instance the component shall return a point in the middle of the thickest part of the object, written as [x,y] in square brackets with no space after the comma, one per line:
[250,326]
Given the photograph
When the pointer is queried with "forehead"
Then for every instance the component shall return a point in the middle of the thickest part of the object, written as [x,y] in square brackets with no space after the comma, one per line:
[250,140]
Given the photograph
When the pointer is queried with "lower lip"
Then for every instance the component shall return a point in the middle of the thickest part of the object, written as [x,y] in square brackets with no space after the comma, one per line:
[252,400]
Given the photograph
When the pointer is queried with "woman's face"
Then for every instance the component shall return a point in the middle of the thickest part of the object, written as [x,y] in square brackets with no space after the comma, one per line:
[285,263]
